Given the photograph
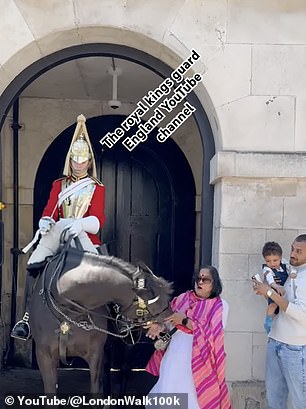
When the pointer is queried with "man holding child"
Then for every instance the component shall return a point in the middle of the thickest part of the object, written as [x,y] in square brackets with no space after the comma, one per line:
[286,351]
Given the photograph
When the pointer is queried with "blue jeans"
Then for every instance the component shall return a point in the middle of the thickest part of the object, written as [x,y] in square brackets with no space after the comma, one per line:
[268,323]
[285,372]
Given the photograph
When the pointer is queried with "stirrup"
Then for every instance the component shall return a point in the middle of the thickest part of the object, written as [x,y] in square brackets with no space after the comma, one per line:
[25,318]
[24,322]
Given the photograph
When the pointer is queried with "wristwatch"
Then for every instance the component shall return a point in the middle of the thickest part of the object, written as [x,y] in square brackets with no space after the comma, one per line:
[269,293]
[185,321]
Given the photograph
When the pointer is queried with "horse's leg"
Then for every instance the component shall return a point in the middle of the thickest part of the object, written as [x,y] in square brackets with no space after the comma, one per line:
[125,368]
[94,358]
[95,367]
[106,369]
[48,369]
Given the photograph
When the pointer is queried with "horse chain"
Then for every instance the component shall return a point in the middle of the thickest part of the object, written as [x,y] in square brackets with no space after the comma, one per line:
[81,324]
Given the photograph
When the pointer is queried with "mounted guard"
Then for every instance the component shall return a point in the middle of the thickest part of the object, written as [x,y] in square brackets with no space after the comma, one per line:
[76,204]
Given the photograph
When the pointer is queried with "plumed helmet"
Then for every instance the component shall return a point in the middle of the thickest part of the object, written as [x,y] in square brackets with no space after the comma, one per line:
[80,148]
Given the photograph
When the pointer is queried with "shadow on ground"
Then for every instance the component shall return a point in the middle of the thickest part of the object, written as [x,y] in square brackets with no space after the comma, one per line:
[70,381]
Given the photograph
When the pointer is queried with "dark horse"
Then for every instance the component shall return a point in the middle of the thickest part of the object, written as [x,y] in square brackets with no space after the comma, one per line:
[69,308]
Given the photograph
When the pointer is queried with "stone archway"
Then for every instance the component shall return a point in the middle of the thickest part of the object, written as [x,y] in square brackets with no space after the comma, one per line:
[150,199]
[36,69]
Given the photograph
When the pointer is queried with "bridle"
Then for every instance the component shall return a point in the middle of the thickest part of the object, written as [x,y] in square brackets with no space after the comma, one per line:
[143,313]
[124,324]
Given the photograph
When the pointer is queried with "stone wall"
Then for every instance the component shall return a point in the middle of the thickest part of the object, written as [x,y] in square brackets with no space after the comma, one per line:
[42,120]
[253,92]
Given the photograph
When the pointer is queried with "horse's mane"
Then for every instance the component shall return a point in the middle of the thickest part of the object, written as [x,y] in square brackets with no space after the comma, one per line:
[154,285]
[118,263]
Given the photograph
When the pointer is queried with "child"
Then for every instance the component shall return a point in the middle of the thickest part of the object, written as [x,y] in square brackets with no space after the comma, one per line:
[273,268]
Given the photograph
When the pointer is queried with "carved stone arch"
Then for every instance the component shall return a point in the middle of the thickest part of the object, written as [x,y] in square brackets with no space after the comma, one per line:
[46,63]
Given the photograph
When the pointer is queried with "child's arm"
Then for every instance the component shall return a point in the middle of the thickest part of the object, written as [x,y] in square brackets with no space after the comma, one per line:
[268,275]
[278,288]
[271,309]
[269,278]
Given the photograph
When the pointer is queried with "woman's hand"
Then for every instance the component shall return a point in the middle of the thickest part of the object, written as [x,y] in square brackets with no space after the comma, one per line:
[175,318]
[154,330]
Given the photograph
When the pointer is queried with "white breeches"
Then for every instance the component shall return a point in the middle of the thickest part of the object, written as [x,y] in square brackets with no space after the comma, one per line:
[49,243]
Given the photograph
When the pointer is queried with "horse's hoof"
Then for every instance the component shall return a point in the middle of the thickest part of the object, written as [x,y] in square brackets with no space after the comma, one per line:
[21,331]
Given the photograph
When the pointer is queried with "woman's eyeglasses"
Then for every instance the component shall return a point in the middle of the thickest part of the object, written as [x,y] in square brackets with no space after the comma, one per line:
[204,280]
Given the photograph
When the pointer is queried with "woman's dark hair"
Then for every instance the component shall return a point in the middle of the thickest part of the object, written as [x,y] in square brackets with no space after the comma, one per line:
[216,281]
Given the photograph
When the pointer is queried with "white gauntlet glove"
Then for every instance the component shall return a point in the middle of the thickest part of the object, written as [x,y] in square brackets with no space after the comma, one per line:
[45,224]
[89,224]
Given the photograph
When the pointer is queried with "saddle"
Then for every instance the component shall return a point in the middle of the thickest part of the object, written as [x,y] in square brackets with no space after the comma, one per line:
[70,257]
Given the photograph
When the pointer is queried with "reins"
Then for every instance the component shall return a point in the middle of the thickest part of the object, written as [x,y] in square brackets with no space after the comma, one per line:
[88,324]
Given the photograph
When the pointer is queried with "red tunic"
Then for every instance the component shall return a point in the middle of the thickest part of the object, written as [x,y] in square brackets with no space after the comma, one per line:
[96,207]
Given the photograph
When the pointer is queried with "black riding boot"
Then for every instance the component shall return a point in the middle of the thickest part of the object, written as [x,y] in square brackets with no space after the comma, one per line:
[35,269]
[21,329]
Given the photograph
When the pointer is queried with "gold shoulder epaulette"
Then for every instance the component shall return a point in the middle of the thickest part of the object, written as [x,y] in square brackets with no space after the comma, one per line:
[59,179]
[97,181]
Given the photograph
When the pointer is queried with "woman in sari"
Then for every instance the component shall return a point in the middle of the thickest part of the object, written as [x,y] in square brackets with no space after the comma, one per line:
[194,361]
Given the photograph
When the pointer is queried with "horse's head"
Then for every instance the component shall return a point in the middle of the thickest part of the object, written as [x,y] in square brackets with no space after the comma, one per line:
[88,282]
[152,296]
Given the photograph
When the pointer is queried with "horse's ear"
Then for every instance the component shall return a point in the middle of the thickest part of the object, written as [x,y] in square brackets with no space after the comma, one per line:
[168,286]
[145,268]
[153,285]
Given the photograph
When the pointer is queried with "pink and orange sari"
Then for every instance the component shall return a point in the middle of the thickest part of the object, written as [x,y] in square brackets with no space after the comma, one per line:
[208,355]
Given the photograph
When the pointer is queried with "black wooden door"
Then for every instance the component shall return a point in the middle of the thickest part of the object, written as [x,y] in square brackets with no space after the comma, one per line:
[138,210]
[137,228]
[150,199]
[150,208]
